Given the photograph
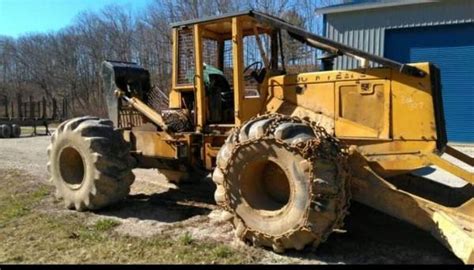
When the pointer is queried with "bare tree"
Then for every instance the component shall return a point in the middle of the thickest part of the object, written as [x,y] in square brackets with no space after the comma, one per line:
[66,63]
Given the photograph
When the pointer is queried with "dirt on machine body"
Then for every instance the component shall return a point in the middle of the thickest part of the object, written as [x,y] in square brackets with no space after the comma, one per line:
[288,152]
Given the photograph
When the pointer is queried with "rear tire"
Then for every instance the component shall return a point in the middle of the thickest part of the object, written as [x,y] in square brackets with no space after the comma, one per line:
[89,163]
[280,195]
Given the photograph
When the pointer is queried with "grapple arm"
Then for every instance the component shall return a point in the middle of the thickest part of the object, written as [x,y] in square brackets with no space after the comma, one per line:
[130,78]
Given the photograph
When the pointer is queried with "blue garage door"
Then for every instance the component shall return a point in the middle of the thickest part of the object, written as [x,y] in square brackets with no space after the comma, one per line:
[451,48]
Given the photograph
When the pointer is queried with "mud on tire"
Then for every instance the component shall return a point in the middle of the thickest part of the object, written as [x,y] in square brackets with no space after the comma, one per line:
[285,180]
[89,163]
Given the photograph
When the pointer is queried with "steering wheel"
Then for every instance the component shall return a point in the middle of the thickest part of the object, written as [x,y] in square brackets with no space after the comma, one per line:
[253,70]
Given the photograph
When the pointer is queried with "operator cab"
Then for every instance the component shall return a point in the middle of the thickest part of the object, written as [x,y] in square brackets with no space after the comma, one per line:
[221,64]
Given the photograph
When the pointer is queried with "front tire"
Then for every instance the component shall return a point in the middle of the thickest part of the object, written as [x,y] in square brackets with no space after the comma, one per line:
[89,163]
[285,180]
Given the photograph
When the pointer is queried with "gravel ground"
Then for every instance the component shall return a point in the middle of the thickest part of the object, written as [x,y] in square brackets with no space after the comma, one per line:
[156,206]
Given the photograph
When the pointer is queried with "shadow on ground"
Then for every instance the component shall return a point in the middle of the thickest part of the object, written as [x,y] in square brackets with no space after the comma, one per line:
[173,205]
[373,237]
[370,236]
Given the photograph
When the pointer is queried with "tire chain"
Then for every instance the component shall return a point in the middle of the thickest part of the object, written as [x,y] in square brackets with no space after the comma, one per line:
[333,150]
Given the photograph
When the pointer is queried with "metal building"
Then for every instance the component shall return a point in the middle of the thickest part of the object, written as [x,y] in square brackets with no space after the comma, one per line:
[438,31]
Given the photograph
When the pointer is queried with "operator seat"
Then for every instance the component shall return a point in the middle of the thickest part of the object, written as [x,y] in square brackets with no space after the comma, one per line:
[220,96]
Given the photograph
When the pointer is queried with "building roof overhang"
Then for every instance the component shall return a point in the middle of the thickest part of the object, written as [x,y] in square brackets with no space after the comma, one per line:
[370,5]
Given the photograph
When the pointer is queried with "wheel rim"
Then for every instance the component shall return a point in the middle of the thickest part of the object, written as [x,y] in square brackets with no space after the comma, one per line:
[71,166]
[265,186]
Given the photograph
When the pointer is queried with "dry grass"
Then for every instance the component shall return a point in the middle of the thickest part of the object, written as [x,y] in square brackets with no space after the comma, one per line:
[30,233]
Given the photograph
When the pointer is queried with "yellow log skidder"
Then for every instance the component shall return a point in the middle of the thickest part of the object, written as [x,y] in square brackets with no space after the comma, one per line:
[288,151]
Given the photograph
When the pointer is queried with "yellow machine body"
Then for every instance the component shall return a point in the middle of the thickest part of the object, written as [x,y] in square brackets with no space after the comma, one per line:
[392,121]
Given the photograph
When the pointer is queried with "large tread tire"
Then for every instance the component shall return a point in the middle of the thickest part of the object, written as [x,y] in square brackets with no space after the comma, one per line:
[89,163]
[5,131]
[318,182]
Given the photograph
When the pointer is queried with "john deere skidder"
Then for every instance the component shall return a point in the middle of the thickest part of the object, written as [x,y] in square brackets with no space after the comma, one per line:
[288,151]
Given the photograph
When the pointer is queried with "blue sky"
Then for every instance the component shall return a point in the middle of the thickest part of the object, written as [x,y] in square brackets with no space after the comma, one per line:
[18,17]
